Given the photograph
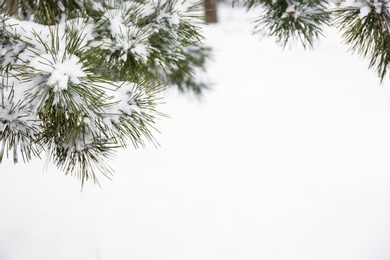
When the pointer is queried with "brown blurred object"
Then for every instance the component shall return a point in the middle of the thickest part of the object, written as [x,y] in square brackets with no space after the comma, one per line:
[11,7]
[210,11]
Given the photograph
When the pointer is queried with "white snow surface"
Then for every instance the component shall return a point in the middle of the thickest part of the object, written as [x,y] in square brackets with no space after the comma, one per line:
[288,157]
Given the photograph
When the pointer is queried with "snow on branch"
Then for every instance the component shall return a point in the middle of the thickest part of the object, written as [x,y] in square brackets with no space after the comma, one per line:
[81,78]
[289,21]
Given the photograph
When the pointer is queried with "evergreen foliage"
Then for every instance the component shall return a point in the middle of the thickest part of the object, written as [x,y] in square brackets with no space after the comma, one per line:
[364,25]
[293,20]
[80,78]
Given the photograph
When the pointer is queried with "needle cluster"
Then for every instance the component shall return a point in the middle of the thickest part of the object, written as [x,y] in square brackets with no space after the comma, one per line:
[80,78]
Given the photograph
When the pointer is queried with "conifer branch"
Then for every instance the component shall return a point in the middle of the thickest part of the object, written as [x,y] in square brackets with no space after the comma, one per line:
[365,28]
[82,78]
[291,20]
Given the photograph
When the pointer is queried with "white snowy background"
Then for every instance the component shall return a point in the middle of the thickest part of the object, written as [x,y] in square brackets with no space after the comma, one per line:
[288,157]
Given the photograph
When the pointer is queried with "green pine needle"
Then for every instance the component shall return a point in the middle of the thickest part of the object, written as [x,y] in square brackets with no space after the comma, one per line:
[291,21]
[368,36]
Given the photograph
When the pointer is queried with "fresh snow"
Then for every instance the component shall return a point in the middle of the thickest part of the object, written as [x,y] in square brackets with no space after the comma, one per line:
[286,158]
[62,69]
[364,6]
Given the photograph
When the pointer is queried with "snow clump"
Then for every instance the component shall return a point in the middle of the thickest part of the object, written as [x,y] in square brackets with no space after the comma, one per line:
[366,7]
[62,70]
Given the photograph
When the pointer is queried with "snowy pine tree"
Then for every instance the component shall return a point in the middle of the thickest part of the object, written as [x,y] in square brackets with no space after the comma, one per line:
[80,78]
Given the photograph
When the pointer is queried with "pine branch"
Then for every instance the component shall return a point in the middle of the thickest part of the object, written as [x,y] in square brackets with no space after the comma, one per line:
[365,26]
[291,21]
[18,126]
[83,79]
